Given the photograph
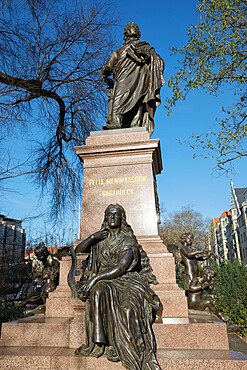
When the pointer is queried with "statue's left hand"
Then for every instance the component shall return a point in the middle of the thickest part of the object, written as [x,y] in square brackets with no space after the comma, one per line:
[140,51]
[101,234]
[87,286]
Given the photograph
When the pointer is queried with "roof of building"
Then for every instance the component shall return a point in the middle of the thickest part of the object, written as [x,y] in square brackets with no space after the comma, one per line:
[234,200]
[11,220]
[216,220]
[226,214]
[240,192]
[31,250]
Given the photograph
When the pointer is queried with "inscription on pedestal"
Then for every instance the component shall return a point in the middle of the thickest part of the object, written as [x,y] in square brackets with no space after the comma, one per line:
[117,181]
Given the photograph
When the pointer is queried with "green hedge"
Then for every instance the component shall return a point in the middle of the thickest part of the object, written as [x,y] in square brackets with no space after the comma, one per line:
[10,313]
[230,292]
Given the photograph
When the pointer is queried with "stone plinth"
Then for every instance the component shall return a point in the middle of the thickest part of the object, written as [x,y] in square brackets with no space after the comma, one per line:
[191,336]
[77,333]
[42,332]
[172,297]
[171,334]
[60,302]
[16,358]
[121,166]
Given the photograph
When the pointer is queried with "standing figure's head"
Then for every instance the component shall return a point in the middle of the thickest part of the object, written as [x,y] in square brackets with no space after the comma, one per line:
[132,31]
[208,273]
[115,217]
[41,252]
[186,238]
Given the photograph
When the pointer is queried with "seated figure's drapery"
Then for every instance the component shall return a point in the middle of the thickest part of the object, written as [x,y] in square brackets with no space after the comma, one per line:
[120,312]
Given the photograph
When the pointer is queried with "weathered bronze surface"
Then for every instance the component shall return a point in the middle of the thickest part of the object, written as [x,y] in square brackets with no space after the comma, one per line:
[134,92]
[120,305]
[45,267]
[196,283]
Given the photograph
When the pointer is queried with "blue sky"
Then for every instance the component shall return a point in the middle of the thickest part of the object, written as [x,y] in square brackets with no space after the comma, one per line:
[184,180]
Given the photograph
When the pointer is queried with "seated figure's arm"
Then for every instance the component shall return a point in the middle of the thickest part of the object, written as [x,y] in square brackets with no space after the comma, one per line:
[85,245]
[113,272]
[206,255]
[189,252]
[195,287]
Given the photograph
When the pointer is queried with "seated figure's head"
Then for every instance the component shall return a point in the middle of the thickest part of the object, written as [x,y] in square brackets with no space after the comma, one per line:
[120,216]
[41,251]
[186,238]
[132,31]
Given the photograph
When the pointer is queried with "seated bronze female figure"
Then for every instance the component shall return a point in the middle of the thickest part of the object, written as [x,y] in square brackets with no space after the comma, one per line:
[120,305]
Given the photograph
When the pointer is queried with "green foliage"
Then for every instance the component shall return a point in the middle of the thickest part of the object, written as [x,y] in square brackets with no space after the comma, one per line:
[10,313]
[179,279]
[213,58]
[230,292]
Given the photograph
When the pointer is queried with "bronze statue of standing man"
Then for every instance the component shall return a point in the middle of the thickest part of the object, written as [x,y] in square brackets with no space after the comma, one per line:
[138,77]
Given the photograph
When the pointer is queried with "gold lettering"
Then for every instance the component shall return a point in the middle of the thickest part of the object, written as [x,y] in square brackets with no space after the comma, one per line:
[117,180]
[116,192]
[109,181]
[92,182]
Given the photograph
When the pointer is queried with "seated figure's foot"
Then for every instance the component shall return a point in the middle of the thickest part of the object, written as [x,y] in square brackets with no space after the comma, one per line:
[35,311]
[111,126]
[224,318]
[232,328]
[111,354]
[94,351]
[81,351]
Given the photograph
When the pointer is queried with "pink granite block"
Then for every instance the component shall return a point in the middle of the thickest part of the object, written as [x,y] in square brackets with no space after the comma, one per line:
[173,306]
[132,196]
[77,334]
[188,364]
[119,138]
[46,332]
[65,359]
[59,307]
[191,336]
[31,358]
[164,268]
[25,362]
[126,156]
[194,354]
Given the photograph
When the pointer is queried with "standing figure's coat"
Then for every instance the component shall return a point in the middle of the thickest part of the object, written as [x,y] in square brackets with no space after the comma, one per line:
[138,77]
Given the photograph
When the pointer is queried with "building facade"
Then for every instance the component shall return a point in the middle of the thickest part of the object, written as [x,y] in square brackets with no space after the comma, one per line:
[220,238]
[13,269]
[229,231]
[12,240]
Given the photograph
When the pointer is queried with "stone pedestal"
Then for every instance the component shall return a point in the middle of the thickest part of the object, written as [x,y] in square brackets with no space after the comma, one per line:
[60,302]
[120,166]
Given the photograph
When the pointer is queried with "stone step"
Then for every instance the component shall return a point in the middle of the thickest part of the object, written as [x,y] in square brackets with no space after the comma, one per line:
[51,358]
[171,333]
[43,331]
[181,335]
